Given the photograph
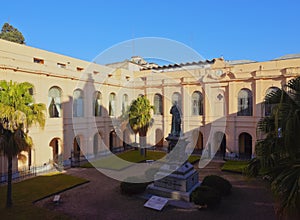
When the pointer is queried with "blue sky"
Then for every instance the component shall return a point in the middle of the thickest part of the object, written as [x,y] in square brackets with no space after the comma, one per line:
[235,29]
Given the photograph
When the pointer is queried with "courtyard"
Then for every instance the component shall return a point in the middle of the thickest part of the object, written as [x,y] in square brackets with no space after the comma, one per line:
[100,198]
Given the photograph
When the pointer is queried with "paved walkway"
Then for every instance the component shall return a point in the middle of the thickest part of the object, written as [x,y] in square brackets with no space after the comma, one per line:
[101,199]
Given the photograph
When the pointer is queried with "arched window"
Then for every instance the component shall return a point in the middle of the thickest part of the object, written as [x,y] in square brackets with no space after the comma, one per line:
[158,104]
[78,103]
[54,100]
[197,103]
[176,99]
[112,104]
[98,104]
[245,103]
[124,103]
[269,106]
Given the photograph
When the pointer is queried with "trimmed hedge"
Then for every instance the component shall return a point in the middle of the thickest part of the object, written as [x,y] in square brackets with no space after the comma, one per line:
[220,184]
[205,195]
[131,186]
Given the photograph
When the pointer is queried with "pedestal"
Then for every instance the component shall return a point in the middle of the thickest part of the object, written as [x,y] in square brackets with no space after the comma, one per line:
[174,179]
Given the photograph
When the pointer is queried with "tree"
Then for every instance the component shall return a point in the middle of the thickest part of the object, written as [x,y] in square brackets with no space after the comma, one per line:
[278,154]
[10,33]
[17,113]
[140,119]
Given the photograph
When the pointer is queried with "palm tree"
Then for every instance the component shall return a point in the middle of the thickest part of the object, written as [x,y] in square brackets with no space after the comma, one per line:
[17,113]
[140,119]
[278,154]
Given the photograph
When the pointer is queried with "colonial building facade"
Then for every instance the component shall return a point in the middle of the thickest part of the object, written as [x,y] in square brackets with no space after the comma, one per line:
[220,101]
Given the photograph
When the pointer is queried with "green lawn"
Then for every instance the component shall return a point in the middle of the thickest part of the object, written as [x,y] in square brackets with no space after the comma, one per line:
[28,191]
[129,157]
[234,166]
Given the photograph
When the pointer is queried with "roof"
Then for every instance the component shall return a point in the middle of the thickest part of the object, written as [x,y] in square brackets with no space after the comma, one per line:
[288,56]
[175,65]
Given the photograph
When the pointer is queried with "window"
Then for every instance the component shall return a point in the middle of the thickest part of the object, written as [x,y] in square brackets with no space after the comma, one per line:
[269,106]
[124,103]
[98,104]
[54,100]
[78,110]
[37,60]
[158,104]
[197,103]
[61,65]
[112,104]
[79,69]
[245,103]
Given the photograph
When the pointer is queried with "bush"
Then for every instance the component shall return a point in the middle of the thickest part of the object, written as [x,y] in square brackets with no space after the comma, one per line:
[132,186]
[205,195]
[220,184]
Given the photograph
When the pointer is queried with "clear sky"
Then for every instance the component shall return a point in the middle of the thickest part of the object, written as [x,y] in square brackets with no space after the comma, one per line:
[235,29]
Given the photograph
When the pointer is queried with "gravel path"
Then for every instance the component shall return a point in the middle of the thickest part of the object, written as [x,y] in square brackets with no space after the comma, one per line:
[101,199]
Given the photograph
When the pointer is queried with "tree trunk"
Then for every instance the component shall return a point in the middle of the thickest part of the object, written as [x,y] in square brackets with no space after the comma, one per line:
[9,182]
[143,143]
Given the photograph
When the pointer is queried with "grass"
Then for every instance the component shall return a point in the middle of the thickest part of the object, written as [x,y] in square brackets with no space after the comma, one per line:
[193,159]
[234,166]
[28,191]
[129,157]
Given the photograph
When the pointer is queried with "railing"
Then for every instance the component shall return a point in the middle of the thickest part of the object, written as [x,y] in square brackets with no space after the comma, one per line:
[26,172]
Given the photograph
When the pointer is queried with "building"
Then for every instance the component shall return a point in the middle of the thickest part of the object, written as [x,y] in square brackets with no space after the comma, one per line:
[221,102]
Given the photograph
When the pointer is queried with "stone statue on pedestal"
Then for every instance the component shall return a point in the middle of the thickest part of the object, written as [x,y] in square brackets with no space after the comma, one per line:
[176,120]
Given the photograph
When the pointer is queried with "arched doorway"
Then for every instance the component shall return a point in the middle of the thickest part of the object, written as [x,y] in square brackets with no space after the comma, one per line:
[159,138]
[76,148]
[245,145]
[220,144]
[55,144]
[198,141]
[112,140]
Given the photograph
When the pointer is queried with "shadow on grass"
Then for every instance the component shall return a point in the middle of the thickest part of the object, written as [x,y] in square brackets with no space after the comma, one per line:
[25,193]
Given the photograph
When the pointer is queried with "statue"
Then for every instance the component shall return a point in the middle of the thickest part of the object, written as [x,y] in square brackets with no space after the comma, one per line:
[176,120]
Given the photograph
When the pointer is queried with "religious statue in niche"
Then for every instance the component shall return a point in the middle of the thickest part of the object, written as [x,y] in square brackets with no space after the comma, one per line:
[176,120]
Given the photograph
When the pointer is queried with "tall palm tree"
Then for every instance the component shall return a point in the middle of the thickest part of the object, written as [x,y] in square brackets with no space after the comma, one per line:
[17,113]
[278,154]
[140,119]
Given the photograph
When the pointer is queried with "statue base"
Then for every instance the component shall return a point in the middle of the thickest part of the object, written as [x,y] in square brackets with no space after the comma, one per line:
[176,179]
[178,185]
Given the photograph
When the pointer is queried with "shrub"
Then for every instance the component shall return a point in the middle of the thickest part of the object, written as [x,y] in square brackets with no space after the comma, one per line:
[220,184]
[205,195]
[133,185]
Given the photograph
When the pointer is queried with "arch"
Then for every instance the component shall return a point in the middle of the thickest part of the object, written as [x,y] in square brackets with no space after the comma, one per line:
[54,102]
[78,103]
[197,103]
[112,104]
[158,104]
[159,138]
[220,141]
[245,145]
[199,143]
[57,151]
[124,103]
[112,140]
[77,148]
[268,106]
[97,104]
[245,103]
